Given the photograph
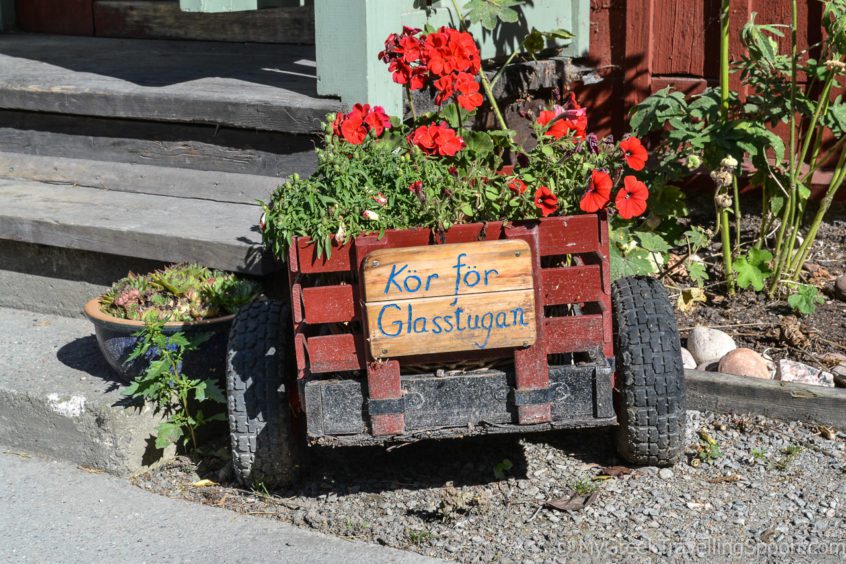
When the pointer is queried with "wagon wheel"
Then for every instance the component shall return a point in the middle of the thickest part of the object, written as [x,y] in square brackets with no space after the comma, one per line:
[265,449]
[650,373]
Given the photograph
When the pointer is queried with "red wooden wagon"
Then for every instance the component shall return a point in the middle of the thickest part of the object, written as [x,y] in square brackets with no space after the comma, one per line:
[602,354]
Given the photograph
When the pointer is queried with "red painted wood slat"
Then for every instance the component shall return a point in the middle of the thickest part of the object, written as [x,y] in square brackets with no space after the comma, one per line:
[334,353]
[571,285]
[309,263]
[574,334]
[328,304]
[569,235]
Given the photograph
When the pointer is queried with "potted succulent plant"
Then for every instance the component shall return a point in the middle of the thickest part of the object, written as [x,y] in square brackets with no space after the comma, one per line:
[186,298]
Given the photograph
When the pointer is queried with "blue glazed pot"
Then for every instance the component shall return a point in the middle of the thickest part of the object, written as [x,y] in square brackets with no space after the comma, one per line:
[116,338]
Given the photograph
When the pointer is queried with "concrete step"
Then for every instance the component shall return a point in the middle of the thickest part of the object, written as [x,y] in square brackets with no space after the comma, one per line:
[59,398]
[261,87]
[166,144]
[156,227]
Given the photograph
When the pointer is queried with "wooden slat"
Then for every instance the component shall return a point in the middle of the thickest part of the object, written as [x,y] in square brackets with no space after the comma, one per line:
[68,17]
[334,353]
[571,285]
[569,235]
[164,20]
[431,270]
[328,304]
[573,334]
[309,263]
[473,232]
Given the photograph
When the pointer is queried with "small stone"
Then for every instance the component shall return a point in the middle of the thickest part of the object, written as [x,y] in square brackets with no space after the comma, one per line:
[792,371]
[710,366]
[709,345]
[744,362]
[665,474]
[687,359]
[840,288]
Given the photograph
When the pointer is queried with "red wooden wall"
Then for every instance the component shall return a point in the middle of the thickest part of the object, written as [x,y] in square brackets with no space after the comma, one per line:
[640,46]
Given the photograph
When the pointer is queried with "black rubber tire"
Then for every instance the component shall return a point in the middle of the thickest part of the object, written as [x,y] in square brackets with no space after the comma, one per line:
[650,393]
[258,374]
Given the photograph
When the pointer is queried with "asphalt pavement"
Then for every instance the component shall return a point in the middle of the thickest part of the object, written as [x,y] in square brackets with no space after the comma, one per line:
[57,512]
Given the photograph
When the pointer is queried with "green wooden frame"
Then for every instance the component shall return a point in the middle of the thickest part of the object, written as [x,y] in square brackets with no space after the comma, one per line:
[350,33]
[7,14]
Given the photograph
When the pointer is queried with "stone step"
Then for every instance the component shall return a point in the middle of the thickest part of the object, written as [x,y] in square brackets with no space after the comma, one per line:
[223,187]
[163,228]
[167,144]
[59,398]
[251,86]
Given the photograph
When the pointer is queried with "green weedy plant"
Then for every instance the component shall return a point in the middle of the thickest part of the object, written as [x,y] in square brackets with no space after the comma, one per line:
[716,131]
[805,299]
[173,393]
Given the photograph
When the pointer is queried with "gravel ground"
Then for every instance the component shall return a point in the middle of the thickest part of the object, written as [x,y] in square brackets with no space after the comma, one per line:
[763,491]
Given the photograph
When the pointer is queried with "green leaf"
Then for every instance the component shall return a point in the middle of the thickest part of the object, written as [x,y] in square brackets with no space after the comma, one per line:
[168,433]
[534,42]
[479,143]
[753,270]
[633,263]
[200,391]
[697,272]
[697,238]
[806,299]
[653,242]
[489,11]
[214,392]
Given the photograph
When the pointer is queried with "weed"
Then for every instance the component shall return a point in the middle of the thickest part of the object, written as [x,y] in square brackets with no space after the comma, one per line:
[759,454]
[583,487]
[418,537]
[501,469]
[790,453]
[709,449]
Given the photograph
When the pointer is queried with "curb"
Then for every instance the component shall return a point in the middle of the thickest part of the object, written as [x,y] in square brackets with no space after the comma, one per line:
[60,399]
[726,393]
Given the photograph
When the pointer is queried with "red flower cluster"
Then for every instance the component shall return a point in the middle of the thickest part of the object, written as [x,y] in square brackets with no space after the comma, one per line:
[447,57]
[630,201]
[436,139]
[355,126]
[573,118]
[546,201]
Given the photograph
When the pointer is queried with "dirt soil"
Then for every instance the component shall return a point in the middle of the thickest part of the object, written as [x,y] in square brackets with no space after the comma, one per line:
[766,488]
[770,326]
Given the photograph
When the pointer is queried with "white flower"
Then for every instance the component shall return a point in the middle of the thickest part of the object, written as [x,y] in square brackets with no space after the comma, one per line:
[370,215]
[263,222]
[341,235]
[729,162]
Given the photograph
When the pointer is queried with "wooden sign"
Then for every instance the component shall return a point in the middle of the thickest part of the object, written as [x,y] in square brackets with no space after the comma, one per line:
[448,298]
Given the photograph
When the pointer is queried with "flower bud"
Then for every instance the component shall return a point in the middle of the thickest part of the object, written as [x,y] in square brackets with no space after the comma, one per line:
[693,162]
[380,199]
[729,162]
[341,235]
[723,201]
[370,215]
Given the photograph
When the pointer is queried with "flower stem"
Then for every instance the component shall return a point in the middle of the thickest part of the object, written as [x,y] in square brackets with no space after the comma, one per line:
[485,82]
[411,103]
[723,214]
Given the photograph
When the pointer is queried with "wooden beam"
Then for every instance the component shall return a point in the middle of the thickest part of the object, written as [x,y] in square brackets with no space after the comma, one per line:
[638,59]
[725,393]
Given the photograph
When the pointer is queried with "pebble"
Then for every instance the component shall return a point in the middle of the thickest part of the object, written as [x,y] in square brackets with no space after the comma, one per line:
[792,371]
[709,345]
[710,366]
[665,474]
[744,362]
[840,288]
[687,359]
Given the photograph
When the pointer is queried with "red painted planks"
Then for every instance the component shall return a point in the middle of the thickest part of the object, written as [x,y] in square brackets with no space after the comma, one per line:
[328,304]
[574,334]
[334,353]
[571,285]
[309,263]
[569,235]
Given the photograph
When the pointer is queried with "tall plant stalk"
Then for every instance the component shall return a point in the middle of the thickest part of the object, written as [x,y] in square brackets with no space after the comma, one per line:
[723,212]
[486,84]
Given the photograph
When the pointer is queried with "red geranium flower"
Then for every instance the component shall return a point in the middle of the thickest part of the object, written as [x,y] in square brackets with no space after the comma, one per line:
[378,121]
[353,128]
[437,139]
[517,186]
[546,201]
[631,199]
[598,193]
[336,125]
[405,74]
[634,152]
[449,50]
[558,129]
[446,88]
[468,97]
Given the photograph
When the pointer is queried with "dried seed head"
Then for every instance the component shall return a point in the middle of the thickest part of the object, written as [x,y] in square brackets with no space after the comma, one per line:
[835,65]
[729,162]
[722,178]
[723,201]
